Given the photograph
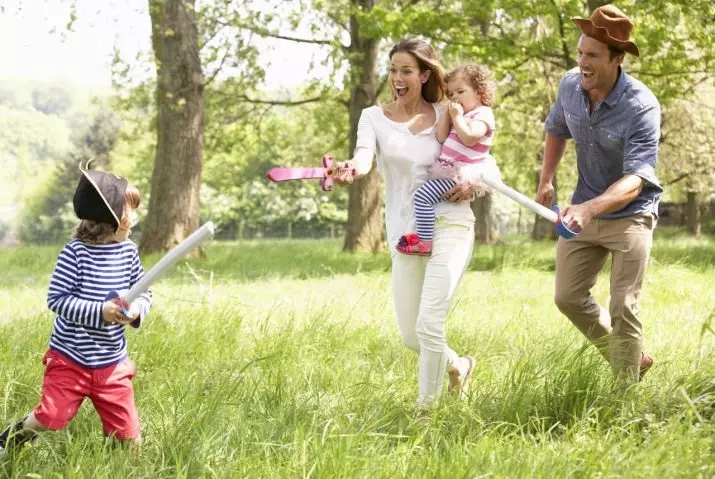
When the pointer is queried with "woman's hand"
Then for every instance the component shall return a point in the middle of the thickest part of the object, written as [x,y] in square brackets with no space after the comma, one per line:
[344,175]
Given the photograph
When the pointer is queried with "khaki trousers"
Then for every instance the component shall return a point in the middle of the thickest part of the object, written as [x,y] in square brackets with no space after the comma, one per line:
[618,332]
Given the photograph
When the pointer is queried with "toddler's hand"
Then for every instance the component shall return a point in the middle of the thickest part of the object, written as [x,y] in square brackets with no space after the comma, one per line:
[455,109]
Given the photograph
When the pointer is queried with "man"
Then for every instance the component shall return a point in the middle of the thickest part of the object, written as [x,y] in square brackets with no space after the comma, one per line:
[614,121]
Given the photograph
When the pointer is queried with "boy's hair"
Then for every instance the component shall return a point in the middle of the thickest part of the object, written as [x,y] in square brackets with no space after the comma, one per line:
[95,232]
[479,77]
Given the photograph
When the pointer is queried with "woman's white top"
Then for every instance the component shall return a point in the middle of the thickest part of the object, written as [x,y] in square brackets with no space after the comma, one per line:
[402,160]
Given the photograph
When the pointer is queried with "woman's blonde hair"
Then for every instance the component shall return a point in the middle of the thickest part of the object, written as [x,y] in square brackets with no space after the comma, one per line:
[95,232]
[433,89]
[479,77]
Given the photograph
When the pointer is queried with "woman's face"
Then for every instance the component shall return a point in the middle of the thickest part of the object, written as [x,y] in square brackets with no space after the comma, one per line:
[459,90]
[406,77]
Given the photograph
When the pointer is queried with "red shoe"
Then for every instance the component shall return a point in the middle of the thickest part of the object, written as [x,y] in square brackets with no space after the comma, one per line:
[412,244]
[646,364]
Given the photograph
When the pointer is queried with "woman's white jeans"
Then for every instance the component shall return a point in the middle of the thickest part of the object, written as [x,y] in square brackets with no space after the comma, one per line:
[423,288]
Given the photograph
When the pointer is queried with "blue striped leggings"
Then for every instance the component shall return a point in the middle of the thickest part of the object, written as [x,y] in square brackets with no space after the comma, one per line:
[426,197]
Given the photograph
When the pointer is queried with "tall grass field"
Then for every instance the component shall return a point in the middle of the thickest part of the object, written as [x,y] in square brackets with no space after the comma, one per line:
[281,359]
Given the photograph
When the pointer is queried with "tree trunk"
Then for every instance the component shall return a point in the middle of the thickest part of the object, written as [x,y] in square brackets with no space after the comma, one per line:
[364,229]
[174,202]
[483,229]
[693,214]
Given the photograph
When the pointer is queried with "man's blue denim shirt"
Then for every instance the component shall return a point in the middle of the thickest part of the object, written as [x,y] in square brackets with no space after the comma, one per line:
[619,138]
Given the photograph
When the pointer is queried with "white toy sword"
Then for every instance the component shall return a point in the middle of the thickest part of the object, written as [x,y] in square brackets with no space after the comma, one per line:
[541,210]
[167,261]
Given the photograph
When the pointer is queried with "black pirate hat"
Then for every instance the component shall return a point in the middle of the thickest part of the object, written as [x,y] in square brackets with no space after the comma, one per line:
[100,196]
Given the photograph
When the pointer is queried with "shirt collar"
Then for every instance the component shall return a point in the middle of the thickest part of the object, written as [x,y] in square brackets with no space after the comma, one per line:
[618,90]
[620,87]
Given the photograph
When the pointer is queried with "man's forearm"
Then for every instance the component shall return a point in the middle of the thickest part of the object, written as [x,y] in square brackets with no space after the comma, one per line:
[617,196]
[553,151]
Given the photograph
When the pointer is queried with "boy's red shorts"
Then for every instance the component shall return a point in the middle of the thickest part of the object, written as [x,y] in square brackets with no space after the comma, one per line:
[66,384]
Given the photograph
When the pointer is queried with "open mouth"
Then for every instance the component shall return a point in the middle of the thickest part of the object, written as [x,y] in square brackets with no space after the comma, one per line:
[401,90]
[587,75]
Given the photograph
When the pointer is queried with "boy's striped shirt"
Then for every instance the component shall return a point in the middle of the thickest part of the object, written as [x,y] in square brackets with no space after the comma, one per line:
[454,151]
[83,276]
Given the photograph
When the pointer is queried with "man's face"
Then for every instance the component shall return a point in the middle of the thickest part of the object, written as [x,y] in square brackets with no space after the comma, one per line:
[598,70]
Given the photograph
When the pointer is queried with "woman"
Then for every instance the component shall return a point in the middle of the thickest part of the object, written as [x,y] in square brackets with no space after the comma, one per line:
[403,136]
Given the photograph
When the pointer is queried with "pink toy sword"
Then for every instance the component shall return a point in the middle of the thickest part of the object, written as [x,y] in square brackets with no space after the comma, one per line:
[327,173]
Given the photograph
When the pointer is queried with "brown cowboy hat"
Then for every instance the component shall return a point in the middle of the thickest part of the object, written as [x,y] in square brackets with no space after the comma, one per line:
[609,25]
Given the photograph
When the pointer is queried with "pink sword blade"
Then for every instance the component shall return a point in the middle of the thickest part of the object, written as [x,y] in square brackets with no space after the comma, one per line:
[286,174]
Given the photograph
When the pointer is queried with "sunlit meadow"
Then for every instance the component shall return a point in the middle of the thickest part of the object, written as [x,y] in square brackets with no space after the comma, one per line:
[282,359]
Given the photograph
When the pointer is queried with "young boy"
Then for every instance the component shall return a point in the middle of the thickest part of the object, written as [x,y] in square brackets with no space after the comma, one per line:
[87,356]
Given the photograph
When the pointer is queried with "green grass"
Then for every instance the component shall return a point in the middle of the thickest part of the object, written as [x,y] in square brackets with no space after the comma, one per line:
[282,359]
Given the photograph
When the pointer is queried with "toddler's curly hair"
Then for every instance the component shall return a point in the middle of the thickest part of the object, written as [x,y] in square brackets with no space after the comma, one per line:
[479,77]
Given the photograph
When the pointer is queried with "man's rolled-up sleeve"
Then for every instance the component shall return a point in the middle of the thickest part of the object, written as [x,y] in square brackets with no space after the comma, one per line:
[555,124]
[640,151]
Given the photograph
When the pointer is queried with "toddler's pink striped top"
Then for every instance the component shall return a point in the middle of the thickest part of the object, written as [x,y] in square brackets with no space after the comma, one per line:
[454,151]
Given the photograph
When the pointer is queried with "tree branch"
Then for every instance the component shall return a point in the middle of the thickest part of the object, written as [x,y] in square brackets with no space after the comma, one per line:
[266,33]
[567,58]
[215,33]
[295,39]
[338,22]
[676,180]
[381,87]
[218,69]
[670,74]
[246,99]
[226,120]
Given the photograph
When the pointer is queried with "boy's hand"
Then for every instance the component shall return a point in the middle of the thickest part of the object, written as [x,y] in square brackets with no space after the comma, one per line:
[112,312]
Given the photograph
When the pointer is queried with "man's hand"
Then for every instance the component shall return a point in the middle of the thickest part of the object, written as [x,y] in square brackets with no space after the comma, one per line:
[545,194]
[577,217]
